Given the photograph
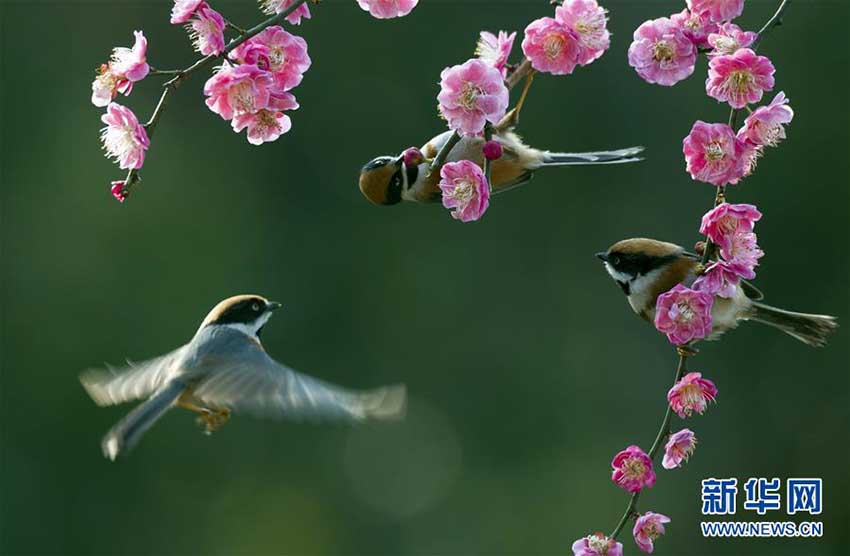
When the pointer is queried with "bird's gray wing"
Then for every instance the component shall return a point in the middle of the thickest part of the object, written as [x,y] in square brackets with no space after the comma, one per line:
[136,381]
[242,377]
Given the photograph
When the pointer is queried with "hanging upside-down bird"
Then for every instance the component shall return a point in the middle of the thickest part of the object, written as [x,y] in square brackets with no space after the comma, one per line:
[646,268]
[224,368]
[388,180]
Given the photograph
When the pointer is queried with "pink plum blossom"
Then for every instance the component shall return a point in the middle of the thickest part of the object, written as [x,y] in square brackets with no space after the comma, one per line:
[713,154]
[263,125]
[465,190]
[471,95]
[743,254]
[678,449]
[750,157]
[124,138]
[243,89]
[117,190]
[717,11]
[729,38]
[492,150]
[104,88]
[764,127]
[597,545]
[207,31]
[632,470]
[386,9]
[725,220]
[551,46]
[126,66]
[649,527]
[267,124]
[588,20]
[720,279]
[279,6]
[697,27]
[683,314]
[692,393]
[275,50]
[183,10]
[740,78]
[662,53]
[495,49]
[131,63]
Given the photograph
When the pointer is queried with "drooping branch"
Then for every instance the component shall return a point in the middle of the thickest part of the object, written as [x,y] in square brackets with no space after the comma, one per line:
[180,76]
[684,352]
[772,23]
[720,196]
[660,437]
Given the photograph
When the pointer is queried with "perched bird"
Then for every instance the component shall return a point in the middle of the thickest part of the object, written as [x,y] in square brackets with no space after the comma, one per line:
[647,268]
[224,368]
[388,180]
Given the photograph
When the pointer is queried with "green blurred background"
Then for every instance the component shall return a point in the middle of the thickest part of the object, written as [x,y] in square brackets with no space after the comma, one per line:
[527,370]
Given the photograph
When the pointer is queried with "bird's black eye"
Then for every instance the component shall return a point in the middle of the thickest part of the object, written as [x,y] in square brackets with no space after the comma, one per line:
[255,306]
[614,260]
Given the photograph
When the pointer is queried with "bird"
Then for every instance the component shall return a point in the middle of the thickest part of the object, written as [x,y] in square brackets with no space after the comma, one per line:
[222,369]
[388,180]
[646,268]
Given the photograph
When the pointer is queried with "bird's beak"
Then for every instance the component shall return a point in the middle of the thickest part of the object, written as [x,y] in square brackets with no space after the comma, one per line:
[273,306]
[602,256]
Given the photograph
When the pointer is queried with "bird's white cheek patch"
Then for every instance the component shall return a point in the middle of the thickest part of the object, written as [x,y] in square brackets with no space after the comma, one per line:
[616,275]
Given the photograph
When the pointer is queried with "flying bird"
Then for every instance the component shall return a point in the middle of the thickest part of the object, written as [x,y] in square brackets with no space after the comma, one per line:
[224,368]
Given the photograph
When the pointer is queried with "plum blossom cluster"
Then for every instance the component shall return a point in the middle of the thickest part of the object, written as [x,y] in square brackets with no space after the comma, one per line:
[633,470]
[683,314]
[716,154]
[251,88]
[664,51]
[474,95]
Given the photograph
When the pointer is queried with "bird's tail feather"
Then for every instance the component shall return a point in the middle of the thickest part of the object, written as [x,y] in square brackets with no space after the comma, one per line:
[620,156]
[388,403]
[810,329]
[126,433]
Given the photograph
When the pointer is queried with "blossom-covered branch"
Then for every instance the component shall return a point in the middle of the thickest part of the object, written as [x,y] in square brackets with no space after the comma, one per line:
[664,52]
[474,96]
[251,89]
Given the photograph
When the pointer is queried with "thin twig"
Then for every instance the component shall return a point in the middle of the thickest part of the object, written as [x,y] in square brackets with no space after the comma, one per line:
[233,26]
[660,438]
[516,76]
[443,153]
[773,22]
[155,71]
[180,76]
[488,164]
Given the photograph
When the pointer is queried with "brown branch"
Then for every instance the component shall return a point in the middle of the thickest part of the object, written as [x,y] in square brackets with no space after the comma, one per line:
[660,437]
[684,352]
